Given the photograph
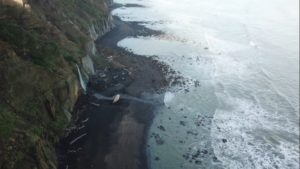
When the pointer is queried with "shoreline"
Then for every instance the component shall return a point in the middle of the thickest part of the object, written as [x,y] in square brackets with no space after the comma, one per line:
[123,127]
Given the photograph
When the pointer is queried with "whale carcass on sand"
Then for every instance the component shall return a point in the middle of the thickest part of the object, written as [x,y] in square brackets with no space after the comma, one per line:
[116,98]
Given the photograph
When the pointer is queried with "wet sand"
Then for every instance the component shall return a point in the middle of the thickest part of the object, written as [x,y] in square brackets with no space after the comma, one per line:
[113,136]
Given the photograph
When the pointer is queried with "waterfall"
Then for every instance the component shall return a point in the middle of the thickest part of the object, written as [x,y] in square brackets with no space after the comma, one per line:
[82,83]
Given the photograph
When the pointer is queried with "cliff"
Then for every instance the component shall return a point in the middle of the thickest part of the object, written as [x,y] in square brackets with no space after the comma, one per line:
[41,42]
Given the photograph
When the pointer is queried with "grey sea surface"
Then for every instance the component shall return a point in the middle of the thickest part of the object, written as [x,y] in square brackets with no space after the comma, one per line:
[244,113]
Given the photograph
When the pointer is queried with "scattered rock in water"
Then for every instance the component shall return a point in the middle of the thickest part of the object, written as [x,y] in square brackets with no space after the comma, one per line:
[162,128]
[196,154]
[183,123]
[156,158]
[185,156]
[197,83]
[181,141]
[204,121]
[158,139]
[194,133]
[198,162]
[224,140]
[215,159]
[199,121]
[250,144]
[204,152]
[185,117]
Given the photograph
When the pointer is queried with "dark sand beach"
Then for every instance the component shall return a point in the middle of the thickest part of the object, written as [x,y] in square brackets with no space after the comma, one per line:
[114,136]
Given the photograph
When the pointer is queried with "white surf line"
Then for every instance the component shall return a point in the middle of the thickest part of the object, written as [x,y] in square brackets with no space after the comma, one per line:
[67,166]
[78,138]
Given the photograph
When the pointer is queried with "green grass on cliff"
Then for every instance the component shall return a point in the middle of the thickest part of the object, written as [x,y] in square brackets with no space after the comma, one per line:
[38,49]
[35,42]
[33,60]
[30,44]
[8,120]
[83,13]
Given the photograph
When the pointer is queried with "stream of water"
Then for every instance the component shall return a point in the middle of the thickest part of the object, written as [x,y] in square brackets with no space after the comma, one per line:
[245,54]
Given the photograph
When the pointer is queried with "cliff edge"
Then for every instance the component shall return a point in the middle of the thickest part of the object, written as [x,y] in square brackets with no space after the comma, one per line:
[41,42]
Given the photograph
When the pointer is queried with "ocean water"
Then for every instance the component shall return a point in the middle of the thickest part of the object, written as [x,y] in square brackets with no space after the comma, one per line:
[245,56]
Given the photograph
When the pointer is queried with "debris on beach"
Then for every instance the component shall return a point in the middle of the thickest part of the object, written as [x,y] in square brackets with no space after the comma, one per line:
[116,98]
[78,138]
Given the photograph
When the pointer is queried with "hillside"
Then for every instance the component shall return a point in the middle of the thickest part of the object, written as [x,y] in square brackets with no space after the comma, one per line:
[40,44]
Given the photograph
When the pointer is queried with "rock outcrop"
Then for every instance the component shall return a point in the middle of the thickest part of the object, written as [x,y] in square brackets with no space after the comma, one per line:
[40,44]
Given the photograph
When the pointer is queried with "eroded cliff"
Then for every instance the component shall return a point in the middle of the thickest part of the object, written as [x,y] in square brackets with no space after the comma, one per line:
[41,41]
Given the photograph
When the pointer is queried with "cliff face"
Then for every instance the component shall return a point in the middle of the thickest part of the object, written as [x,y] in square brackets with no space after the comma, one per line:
[40,45]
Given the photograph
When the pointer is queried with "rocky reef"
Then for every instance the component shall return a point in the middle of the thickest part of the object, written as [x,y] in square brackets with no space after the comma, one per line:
[41,42]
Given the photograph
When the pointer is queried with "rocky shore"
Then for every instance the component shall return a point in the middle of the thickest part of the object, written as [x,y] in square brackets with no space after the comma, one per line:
[47,55]
[113,136]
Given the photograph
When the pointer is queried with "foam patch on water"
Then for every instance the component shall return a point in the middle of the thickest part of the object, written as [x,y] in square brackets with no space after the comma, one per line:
[150,46]
[219,45]
[227,66]
[138,14]
[129,2]
[173,52]
[247,136]
[168,97]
